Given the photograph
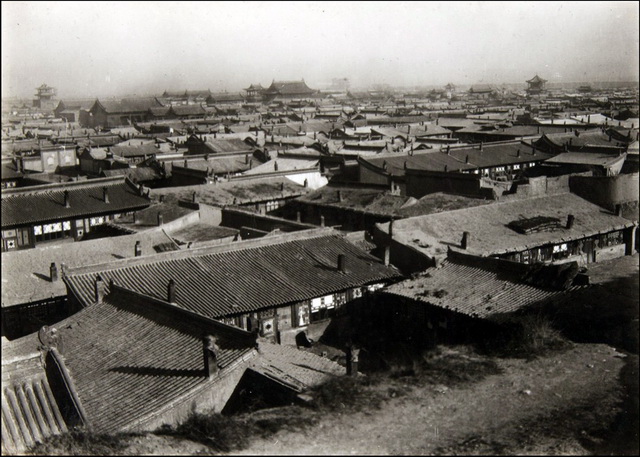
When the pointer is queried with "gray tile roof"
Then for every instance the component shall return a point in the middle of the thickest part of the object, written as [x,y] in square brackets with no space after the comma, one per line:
[30,413]
[131,357]
[245,276]
[25,274]
[488,225]
[483,288]
[46,203]
[295,368]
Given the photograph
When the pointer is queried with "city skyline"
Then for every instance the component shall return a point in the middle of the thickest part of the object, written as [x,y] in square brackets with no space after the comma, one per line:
[115,49]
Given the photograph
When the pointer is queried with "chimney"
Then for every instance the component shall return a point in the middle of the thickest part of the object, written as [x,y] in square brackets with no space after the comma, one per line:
[340,197]
[171,291]
[137,249]
[210,351]
[105,194]
[342,263]
[135,217]
[481,146]
[185,163]
[405,164]
[298,216]
[99,289]
[246,159]
[391,229]
[619,210]
[250,163]
[570,219]
[53,272]
[518,153]
[275,165]
[141,189]
[66,199]
[306,182]
[446,168]
[465,240]
[161,198]
[321,220]
[352,360]
[160,219]
[448,149]
[387,255]
[466,159]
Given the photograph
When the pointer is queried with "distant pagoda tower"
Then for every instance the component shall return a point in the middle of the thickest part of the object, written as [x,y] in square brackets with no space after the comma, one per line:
[45,98]
[449,90]
[536,85]
[254,92]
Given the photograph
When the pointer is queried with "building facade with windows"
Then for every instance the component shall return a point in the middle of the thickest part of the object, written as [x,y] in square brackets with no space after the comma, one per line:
[278,286]
[64,211]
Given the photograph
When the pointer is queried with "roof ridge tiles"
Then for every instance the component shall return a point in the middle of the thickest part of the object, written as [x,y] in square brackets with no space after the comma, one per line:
[205,250]
[169,308]
[66,185]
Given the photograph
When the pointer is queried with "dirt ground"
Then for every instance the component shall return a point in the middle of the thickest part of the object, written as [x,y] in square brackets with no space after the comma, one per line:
[539,407]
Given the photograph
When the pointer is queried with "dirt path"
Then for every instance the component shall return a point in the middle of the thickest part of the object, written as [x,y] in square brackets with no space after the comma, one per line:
[503,413]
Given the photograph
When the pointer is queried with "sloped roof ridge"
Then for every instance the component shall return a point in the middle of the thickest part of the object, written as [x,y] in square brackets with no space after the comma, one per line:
[70,185]
[206,250]
[168,308]
[494,204]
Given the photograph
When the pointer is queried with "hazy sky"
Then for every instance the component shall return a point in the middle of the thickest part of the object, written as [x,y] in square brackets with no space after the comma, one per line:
[116,48]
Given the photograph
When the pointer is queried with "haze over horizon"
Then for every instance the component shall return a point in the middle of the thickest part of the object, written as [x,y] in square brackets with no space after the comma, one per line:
[104,49]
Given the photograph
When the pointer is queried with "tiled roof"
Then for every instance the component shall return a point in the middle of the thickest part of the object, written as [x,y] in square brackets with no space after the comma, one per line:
[25,274]
[489,233]
[132,356]
[245,276]
[188,110]
[587,158]
[135,150]
[502,154]
[127,105]
[30,413]
[537,79]
[229,145]
[379,120]
[138,174]
[481,88]
[76,104]
[491,155]
[25,146]
[202,232]
[46,203]
[295,368]
[289,88]
[218,165]
[374,201]
[591,138]
[148,217]
[159,110]
[236,192]
[283,164]
[483,288]
[431,161]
